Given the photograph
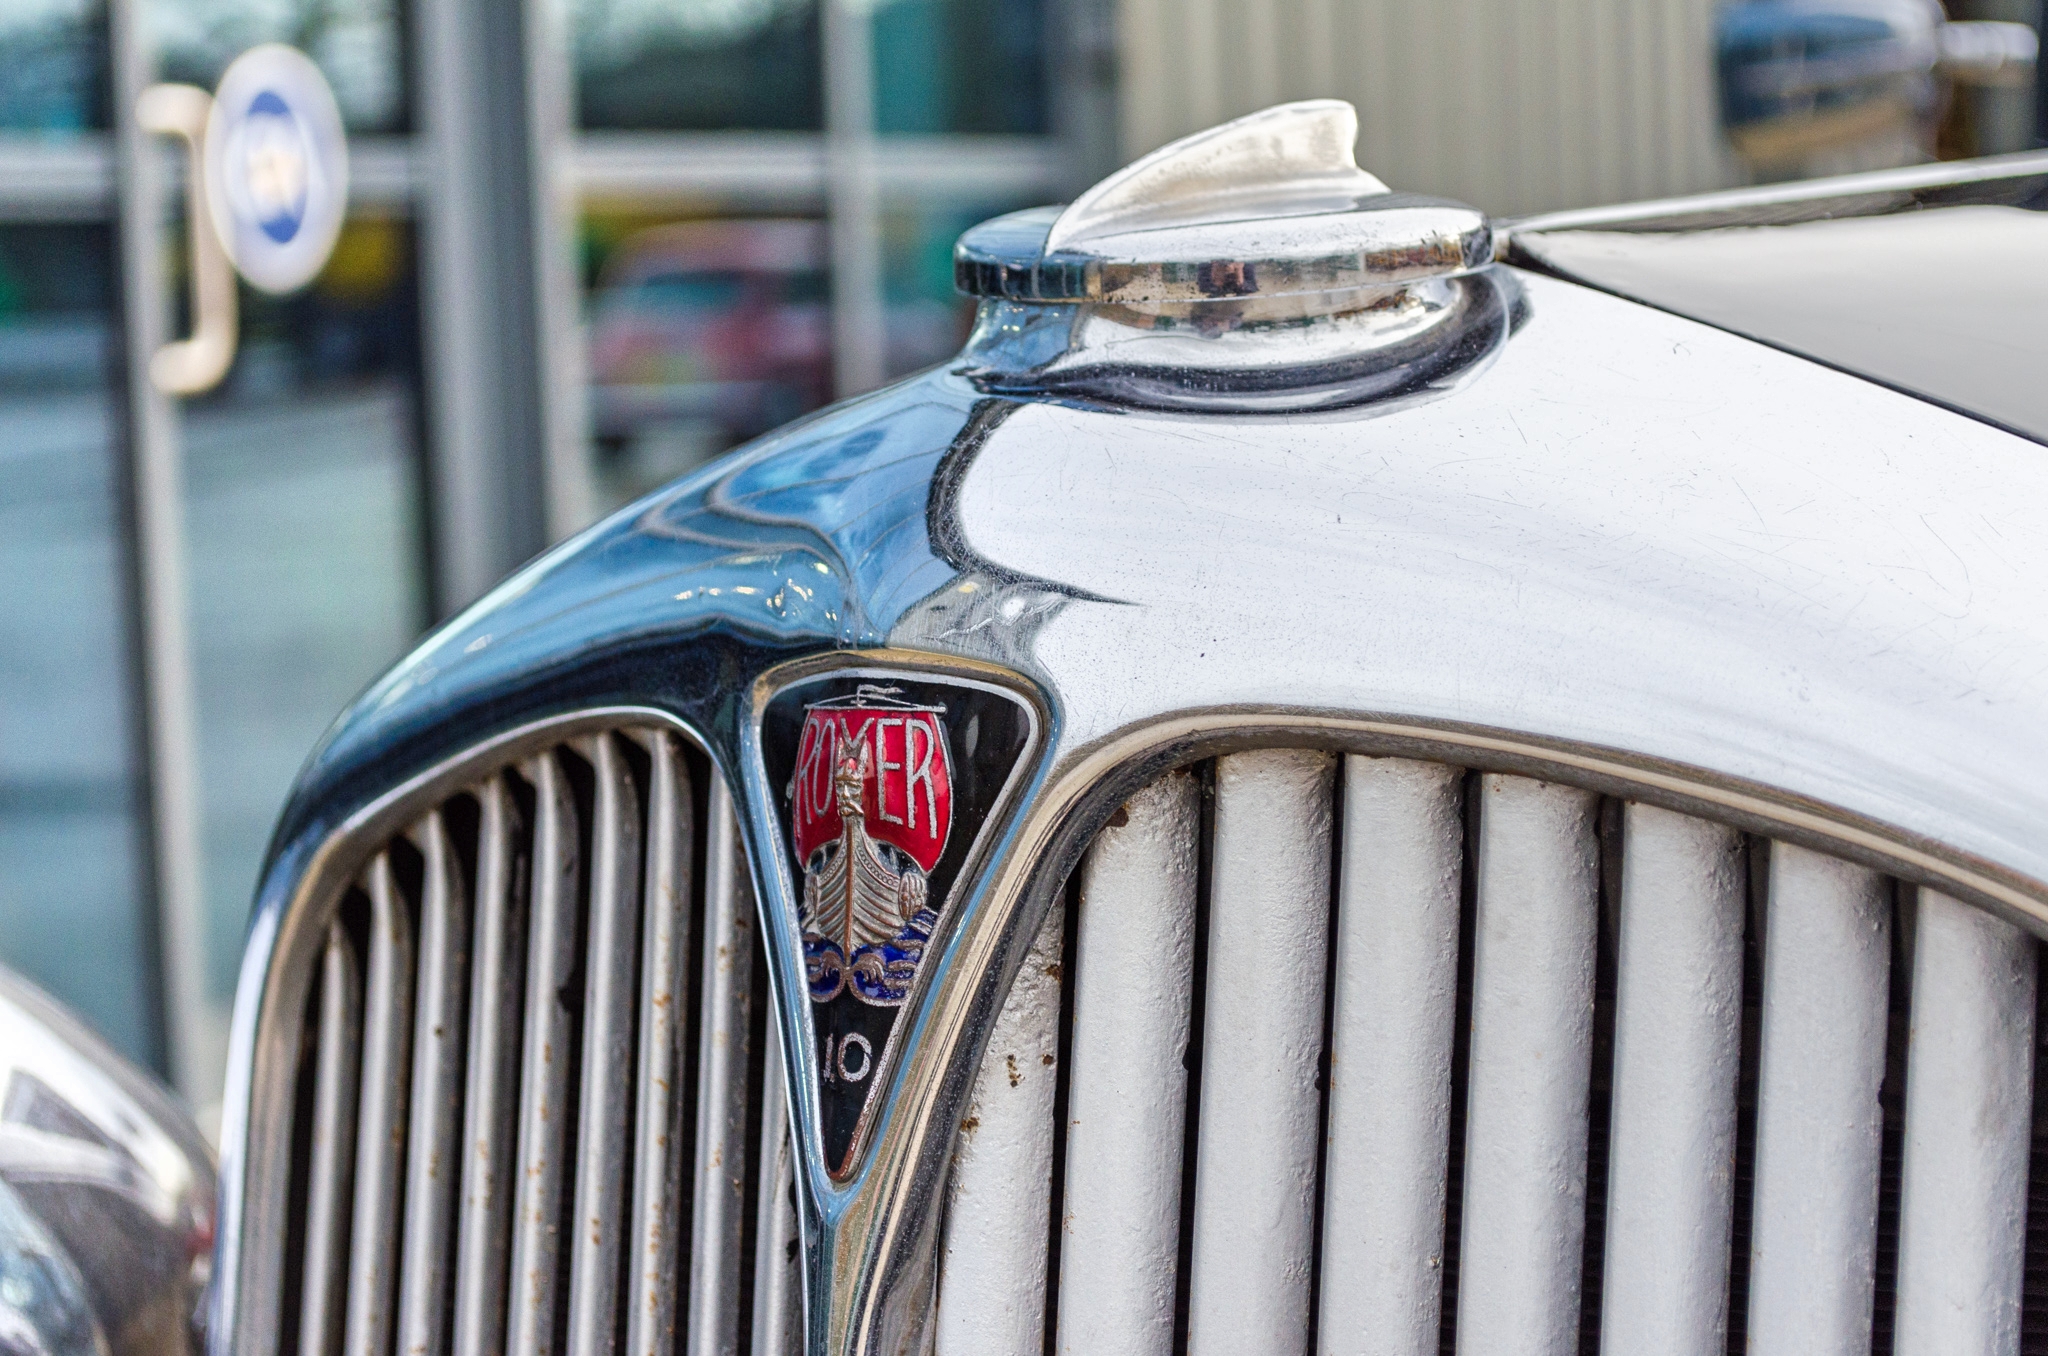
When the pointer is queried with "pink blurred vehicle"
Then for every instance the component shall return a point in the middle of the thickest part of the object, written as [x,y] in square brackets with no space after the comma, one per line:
[718,326]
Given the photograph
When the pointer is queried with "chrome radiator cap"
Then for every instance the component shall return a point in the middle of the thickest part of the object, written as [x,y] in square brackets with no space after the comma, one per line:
[1268,205]
[1252,267]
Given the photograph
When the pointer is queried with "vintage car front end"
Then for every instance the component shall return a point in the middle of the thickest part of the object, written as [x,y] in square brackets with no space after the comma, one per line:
[1312,790]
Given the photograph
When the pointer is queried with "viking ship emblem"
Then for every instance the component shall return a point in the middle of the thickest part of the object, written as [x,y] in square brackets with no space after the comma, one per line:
[872,809]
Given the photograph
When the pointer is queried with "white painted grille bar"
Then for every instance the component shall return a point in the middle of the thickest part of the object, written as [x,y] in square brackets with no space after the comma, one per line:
[605,1101]
[544,1110]
[1969,1102]
[1813,1252]
[380,1109]
[496,1000]
[724,1055]
[656,1238]
[1127,1102]
[1677,1057]
[1392,1024]
[432,1162]
[1254,1206]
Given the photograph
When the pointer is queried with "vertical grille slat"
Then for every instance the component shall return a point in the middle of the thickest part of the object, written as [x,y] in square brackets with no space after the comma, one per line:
[1393,1018]
[1827,951]
[605,1101]
[1261,1043]
[719,1199]
[331,1167]
[664,1001]
[380,1147]
[1532,1031]
[995,1255]
[432,1166]
[1969,1103]
[1678,1049]
[545,1061]
[497,986]
[778,1275]
[1121,1205]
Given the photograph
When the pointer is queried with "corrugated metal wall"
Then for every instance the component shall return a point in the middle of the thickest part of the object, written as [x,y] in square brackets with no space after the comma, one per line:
[1513,105]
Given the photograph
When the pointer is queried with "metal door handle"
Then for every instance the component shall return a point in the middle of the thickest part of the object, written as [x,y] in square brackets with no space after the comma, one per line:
[198,362]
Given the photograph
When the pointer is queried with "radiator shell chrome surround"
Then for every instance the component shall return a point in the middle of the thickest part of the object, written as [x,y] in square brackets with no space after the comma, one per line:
[935,527]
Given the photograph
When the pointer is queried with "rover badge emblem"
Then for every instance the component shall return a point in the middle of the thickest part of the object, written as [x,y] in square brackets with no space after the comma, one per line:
[872,807]
[886,783]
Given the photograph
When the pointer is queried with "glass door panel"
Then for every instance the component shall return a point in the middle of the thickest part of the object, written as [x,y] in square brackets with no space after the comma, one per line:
[71,867]
[698,65]
[975,66]
[358,45]
[52,66]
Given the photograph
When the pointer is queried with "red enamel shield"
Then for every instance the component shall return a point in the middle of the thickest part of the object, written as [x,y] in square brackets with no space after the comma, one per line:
[897,752]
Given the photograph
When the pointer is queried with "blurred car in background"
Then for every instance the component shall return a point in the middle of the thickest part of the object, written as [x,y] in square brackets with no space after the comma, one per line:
[704,334]
[1825,86]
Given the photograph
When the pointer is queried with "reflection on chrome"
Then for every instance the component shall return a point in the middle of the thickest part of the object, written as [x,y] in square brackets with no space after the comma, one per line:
[106,1195]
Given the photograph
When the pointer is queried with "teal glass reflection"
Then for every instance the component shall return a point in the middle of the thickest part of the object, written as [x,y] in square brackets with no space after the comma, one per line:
[358,45]
[698,65]
[927,319]
[960,66]
[72,883]
[53,62]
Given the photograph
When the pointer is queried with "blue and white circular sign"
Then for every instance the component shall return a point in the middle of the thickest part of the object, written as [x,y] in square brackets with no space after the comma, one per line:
[276,167]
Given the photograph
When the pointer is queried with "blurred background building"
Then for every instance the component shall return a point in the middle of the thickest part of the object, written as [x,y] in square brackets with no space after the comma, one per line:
[592,244]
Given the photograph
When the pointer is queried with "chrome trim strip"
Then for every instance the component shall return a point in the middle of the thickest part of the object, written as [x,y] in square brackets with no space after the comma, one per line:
[496,1001]
[387,1005]
[544,1060]
[1532,1047]
[432,1144]
[331,1171]
[1813,1241]
[1262,1043]
[992,1268]
[1969,1127]
[1127,1096]
[665,994]
[1183,736]
[605,1105]
[1907,179]
[790,167]
[1393,1019]
[719,1203]
[1677,1054]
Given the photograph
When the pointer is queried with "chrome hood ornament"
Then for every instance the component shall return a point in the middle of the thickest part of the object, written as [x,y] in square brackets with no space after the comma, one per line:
[1252,267]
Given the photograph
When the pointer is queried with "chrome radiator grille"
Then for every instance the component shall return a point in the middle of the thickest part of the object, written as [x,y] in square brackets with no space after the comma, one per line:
[532,1114]
[1350,1054]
